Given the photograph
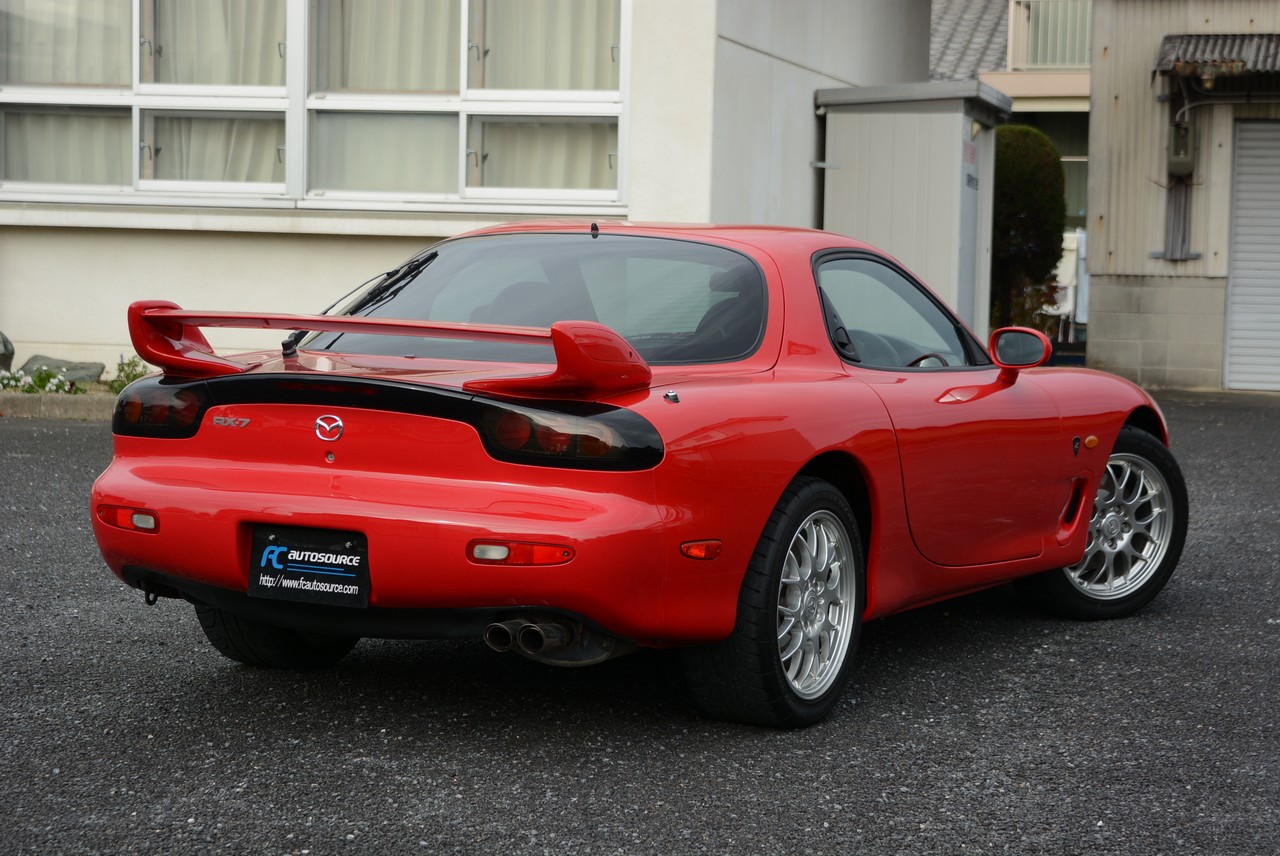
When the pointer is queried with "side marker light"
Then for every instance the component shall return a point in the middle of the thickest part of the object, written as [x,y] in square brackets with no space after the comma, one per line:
[701,550]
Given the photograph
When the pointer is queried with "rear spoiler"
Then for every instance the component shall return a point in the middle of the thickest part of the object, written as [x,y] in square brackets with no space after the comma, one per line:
[591,359]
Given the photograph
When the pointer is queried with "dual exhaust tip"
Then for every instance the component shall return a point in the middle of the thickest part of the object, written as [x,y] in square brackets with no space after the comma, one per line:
[527,637]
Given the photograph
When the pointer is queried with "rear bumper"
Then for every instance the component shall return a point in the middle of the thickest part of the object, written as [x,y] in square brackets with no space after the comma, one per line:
[422,582]
[370,623]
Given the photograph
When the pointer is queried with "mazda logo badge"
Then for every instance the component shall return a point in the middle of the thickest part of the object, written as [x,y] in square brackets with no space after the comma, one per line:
[329,428]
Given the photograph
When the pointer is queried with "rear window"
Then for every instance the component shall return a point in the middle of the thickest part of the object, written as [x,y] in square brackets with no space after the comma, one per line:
[675,301]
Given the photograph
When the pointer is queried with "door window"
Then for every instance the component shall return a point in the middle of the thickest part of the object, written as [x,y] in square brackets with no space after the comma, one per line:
[879,318]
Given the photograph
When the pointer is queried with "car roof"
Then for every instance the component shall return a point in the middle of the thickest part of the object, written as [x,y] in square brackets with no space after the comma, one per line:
[768,238]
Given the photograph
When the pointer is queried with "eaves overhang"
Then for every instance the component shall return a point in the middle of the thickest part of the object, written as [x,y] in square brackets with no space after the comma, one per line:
[1209,56]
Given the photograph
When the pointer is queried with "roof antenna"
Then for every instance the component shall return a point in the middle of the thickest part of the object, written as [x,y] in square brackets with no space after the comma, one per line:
[595,231]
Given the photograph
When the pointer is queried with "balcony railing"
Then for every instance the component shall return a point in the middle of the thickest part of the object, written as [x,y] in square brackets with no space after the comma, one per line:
[1049,35]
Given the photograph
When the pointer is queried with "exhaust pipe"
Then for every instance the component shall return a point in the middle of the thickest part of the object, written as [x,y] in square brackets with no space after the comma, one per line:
[554,643]
[501,635]
[536,638]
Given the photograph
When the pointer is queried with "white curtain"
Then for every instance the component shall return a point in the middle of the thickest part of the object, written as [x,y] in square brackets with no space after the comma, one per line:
[536,154]
[388,45]
[70,147]
[219,42]
[67,43]
[384,152]
[546,44]
[218,149]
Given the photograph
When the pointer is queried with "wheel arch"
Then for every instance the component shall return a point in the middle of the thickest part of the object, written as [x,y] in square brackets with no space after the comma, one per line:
[846,473]
[1148,419]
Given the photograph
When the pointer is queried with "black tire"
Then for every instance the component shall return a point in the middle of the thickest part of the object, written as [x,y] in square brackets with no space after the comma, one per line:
[1136,533]
[256,644]
[749,677]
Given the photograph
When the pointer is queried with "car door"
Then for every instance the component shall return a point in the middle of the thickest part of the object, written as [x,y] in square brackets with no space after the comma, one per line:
[985,467]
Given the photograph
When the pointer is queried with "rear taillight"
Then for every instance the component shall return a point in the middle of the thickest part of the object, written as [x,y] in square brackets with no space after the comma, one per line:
[151,408]
[586,437]
[123,517]
[518,553]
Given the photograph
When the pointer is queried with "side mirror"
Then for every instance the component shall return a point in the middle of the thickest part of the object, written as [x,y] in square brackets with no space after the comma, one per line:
[1017,348]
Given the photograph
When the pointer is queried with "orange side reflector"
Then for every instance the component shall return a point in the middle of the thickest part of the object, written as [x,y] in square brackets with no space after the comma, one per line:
[702,550]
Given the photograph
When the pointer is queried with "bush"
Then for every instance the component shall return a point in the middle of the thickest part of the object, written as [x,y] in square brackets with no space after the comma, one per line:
[127,371]
[44,379]
[1028,218]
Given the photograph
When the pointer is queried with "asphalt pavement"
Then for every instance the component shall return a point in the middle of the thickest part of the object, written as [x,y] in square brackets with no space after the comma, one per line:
[974,726]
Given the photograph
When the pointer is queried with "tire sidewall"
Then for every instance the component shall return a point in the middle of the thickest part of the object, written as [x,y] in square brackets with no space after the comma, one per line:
[1055,589]
[807,497]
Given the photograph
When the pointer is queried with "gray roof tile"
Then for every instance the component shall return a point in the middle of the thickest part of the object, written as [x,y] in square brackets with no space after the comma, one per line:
[968,37]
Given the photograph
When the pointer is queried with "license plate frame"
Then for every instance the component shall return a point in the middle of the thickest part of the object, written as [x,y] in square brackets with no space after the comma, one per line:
[323,566]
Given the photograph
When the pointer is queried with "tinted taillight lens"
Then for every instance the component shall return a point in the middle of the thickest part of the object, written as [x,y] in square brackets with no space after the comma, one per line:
[590,437]
[152,408]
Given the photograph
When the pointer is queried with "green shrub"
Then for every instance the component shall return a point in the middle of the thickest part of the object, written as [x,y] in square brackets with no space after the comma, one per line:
[1028,218]
[127,371]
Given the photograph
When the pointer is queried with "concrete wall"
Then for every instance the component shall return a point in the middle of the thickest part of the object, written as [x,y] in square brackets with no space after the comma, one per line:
[64,292]
[1159,331]
[771,56]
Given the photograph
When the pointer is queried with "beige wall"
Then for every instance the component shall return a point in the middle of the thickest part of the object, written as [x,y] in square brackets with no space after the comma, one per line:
[1159,322]
[64,292]
[1159,331]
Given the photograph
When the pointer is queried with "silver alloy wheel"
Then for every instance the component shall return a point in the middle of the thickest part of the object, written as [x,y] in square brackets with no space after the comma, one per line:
[1129,531]
[817,605]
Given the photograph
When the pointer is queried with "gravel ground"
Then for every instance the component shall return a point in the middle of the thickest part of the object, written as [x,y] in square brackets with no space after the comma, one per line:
[974,726]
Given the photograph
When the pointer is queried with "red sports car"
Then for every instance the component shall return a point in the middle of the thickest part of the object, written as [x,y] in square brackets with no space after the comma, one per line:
[573,440]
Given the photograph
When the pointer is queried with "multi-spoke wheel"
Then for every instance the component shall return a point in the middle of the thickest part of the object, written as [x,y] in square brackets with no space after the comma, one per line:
[799,617]
[1136,533]
[817,595]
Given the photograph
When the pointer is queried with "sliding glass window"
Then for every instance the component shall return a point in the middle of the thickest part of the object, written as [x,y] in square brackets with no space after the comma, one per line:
[376,104]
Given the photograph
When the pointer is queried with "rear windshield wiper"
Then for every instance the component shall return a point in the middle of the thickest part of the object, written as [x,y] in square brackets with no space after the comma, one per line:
[376,295]
[381,292]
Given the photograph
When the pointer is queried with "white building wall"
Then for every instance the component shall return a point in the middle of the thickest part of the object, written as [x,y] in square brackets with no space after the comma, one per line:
[771,56]
[718,124]
[669,111]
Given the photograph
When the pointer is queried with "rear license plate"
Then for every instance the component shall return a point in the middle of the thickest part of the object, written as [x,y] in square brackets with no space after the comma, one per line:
[309,565]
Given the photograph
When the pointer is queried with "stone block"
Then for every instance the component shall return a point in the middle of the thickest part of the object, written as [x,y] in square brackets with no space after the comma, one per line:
[73,371]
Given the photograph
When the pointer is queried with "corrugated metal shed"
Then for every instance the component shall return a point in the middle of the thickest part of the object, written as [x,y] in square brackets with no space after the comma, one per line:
[1231,53]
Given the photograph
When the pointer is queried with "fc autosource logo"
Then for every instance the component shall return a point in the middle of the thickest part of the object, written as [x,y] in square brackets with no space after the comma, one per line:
[328,428]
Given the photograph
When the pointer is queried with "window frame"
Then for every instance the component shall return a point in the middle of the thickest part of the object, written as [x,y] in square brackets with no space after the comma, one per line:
[975,353]
[298,103]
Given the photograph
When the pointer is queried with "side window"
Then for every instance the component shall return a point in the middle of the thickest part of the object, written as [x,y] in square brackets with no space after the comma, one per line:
[877,317]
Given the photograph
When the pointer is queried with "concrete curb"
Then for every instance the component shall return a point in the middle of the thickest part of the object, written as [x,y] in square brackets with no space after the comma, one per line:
[91,406]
